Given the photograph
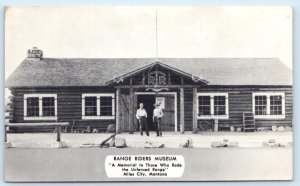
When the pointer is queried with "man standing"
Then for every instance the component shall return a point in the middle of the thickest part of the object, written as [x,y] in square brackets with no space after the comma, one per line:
[157,115]
[141,115]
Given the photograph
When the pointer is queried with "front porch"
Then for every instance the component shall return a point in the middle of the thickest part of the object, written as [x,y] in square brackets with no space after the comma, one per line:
[175,89]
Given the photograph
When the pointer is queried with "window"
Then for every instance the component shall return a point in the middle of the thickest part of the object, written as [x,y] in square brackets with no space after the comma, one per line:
[98,106]
[33,106]
[48,106]
[276,105]
[268,105]
[106,106]
[204,105]
[90,106]
[220,105]
[260,105]
[212,105]
[40,107]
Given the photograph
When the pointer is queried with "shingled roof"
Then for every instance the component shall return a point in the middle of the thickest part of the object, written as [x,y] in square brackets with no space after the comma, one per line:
[96,72]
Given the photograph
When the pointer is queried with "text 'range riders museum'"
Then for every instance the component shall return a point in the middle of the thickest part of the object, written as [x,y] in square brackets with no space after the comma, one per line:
[196,94]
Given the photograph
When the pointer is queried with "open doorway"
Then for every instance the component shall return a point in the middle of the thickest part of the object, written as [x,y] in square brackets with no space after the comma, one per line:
[148,101]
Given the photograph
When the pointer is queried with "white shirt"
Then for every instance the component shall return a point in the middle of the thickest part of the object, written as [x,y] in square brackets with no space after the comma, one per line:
[140,113]
[157,112]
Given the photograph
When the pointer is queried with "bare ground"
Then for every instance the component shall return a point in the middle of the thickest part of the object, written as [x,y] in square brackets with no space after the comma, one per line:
[169,139]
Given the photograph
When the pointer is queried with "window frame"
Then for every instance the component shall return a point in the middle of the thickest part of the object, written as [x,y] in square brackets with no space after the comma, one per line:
[98,116]
[40,97]
[212,110]
[268,115]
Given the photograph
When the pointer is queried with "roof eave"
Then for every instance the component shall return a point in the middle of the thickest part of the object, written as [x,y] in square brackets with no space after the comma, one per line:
[151,65]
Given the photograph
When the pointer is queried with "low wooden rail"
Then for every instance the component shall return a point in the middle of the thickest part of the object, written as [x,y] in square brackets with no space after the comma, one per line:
[57,125]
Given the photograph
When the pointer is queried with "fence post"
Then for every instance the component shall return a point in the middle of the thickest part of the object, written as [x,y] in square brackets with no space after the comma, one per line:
[5,134]
[58,128]
[216,125]
[195,99]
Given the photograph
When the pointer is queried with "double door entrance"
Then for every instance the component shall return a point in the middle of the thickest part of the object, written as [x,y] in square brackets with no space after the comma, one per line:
[168,106]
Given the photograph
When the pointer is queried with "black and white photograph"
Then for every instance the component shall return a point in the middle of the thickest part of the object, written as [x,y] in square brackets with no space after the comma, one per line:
[148,93]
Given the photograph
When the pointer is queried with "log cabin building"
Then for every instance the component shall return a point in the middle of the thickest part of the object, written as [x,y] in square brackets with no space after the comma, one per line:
[98,92]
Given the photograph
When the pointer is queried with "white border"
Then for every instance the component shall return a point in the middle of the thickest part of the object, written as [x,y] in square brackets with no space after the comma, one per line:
[164,93]
[98,117]
[40,117]
[268,94]
[212,116]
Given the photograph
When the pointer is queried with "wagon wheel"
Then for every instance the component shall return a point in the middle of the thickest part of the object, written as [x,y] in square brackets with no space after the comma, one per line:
[205,126]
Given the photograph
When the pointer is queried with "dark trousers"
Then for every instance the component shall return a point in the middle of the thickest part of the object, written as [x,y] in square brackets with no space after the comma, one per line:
[143,125]
[157,124]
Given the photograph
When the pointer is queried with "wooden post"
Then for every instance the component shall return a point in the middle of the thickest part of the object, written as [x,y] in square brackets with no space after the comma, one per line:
[194,110]
[216,125]
[156,76]
[118,131]
[5,134]
[131,111]
[143,80]
[181,110]
[58,130]
[134,111]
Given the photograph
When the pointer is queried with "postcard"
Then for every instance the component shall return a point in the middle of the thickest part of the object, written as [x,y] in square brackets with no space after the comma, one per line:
[148,93]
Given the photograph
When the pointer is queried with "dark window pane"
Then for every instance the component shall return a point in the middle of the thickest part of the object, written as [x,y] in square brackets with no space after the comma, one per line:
[106,111]
[276,105]
[106,101]
[106,106]
[219,105]
[91,111]
[219,100]
[33,101]
[260,105]
[220,110]
[90,106]
[260,110]
[48,106]
[33,106]
[48,101]
[204,105]
[90,101]
[48,111]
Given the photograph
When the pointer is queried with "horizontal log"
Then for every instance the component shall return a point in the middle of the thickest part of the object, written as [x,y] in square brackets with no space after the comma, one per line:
[36,124]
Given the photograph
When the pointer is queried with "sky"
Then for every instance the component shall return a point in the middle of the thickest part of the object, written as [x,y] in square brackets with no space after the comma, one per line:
[129,31]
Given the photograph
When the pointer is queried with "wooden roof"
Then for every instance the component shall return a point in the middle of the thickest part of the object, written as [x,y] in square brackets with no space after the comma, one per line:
[50,72]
